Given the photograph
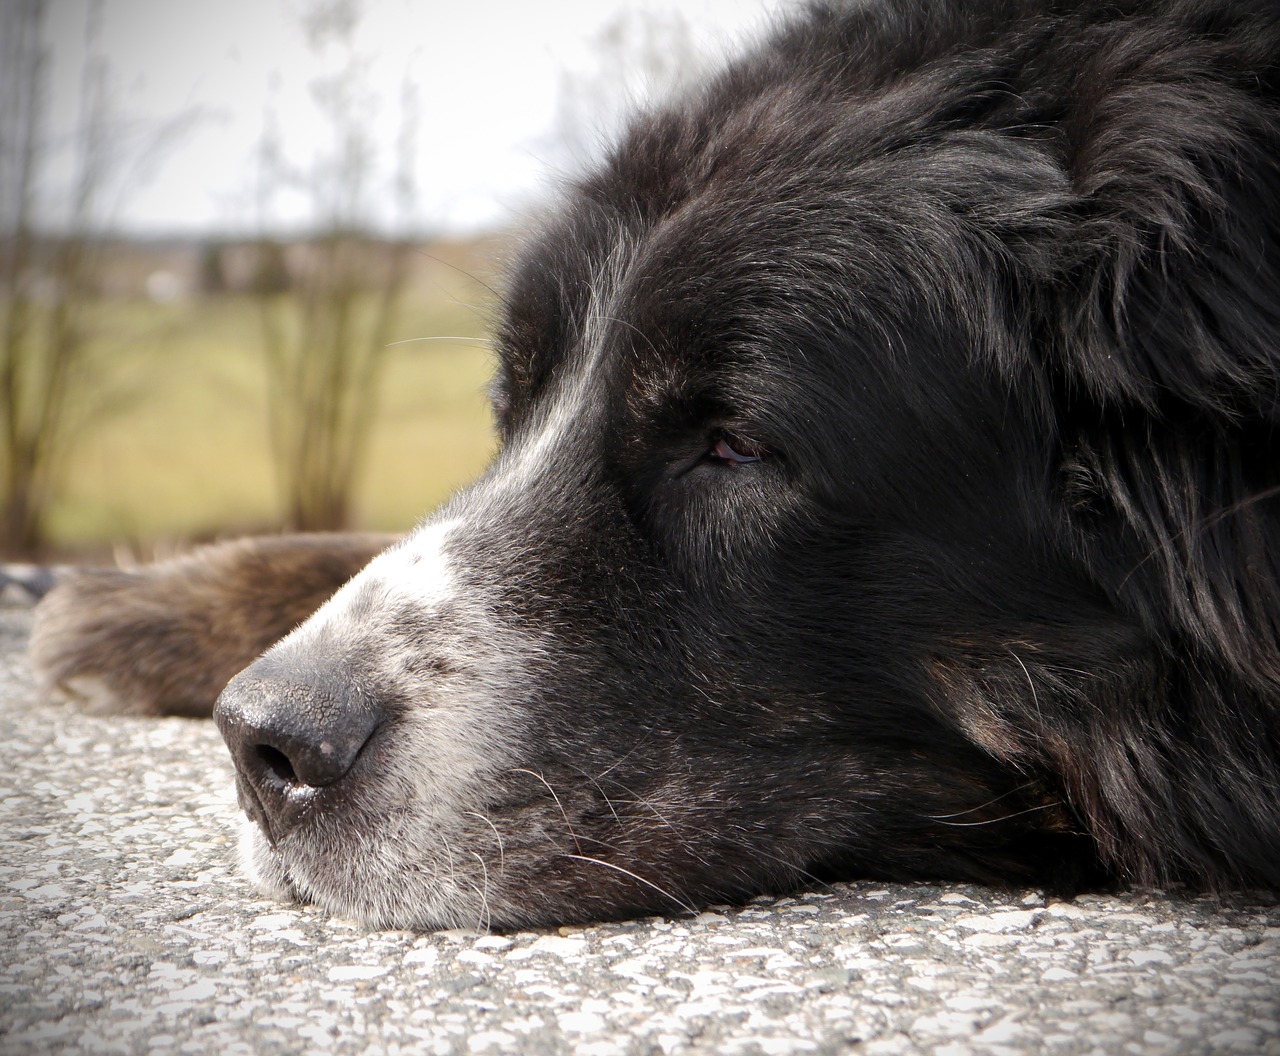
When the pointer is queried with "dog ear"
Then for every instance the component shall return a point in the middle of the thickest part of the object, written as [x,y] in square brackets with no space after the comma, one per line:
[1160,344]
[1171,292]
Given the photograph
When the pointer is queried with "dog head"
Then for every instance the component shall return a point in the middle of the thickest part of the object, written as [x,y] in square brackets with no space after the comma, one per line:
[817,545]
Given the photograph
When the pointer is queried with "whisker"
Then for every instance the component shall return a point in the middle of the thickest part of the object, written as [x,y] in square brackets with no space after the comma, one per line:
[981,806]
[1004,817]
[603,794]
[1202,524]
[687,906]
[502,852]
[629,753]
[485,921]
[453,876]
[630,326]
[458,339]
[1035,697]
[638,800]
[460,270]
[567,824]
[788,865]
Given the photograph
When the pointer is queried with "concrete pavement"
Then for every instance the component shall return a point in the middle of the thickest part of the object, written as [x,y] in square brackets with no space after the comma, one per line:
[124,928]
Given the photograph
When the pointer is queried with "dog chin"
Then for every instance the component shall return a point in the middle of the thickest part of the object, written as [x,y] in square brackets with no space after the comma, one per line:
[379,899]
[262,864]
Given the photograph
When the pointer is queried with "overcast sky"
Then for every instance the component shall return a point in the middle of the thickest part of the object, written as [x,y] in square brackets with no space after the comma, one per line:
[490,78]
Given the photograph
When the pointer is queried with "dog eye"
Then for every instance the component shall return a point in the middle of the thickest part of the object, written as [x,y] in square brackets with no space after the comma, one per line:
[737,450]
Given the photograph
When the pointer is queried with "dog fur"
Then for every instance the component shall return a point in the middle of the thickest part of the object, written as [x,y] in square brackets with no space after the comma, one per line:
[888,489]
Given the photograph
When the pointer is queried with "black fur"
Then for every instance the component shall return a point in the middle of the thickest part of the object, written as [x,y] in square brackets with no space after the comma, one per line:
[890,488]
[998,286]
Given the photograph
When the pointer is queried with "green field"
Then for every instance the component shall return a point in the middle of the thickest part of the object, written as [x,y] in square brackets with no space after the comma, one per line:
[172,427]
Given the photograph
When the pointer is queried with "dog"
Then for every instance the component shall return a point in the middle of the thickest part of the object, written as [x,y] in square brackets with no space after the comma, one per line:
[889,488]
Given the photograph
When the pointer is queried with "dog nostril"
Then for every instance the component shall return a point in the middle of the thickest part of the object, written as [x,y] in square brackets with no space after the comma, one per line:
[289,740]
[277,764]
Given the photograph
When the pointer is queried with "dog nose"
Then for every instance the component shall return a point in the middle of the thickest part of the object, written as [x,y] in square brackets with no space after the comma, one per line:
[288,739]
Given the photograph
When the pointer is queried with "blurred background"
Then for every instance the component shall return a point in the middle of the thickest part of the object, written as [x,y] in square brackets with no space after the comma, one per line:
[249,250]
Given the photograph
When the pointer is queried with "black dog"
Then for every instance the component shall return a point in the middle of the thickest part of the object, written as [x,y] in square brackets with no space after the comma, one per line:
[889,488]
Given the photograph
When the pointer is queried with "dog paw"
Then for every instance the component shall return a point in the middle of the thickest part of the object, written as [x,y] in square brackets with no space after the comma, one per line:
[166,638]
[111,640]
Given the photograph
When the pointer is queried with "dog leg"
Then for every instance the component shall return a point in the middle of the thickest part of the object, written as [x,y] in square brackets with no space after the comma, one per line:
[164,639]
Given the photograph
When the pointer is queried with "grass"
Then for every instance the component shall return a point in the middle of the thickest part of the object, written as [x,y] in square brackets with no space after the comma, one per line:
[172,438]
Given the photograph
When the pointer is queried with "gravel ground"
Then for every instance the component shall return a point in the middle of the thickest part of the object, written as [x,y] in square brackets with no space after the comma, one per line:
[124,927]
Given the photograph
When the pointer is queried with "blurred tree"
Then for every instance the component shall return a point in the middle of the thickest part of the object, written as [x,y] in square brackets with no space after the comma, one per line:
[270,269]
[211,272]
[45,279]
[329,302]
[56,194]
[638,58]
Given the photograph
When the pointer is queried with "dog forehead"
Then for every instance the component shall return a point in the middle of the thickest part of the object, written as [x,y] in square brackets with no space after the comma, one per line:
[713,278]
